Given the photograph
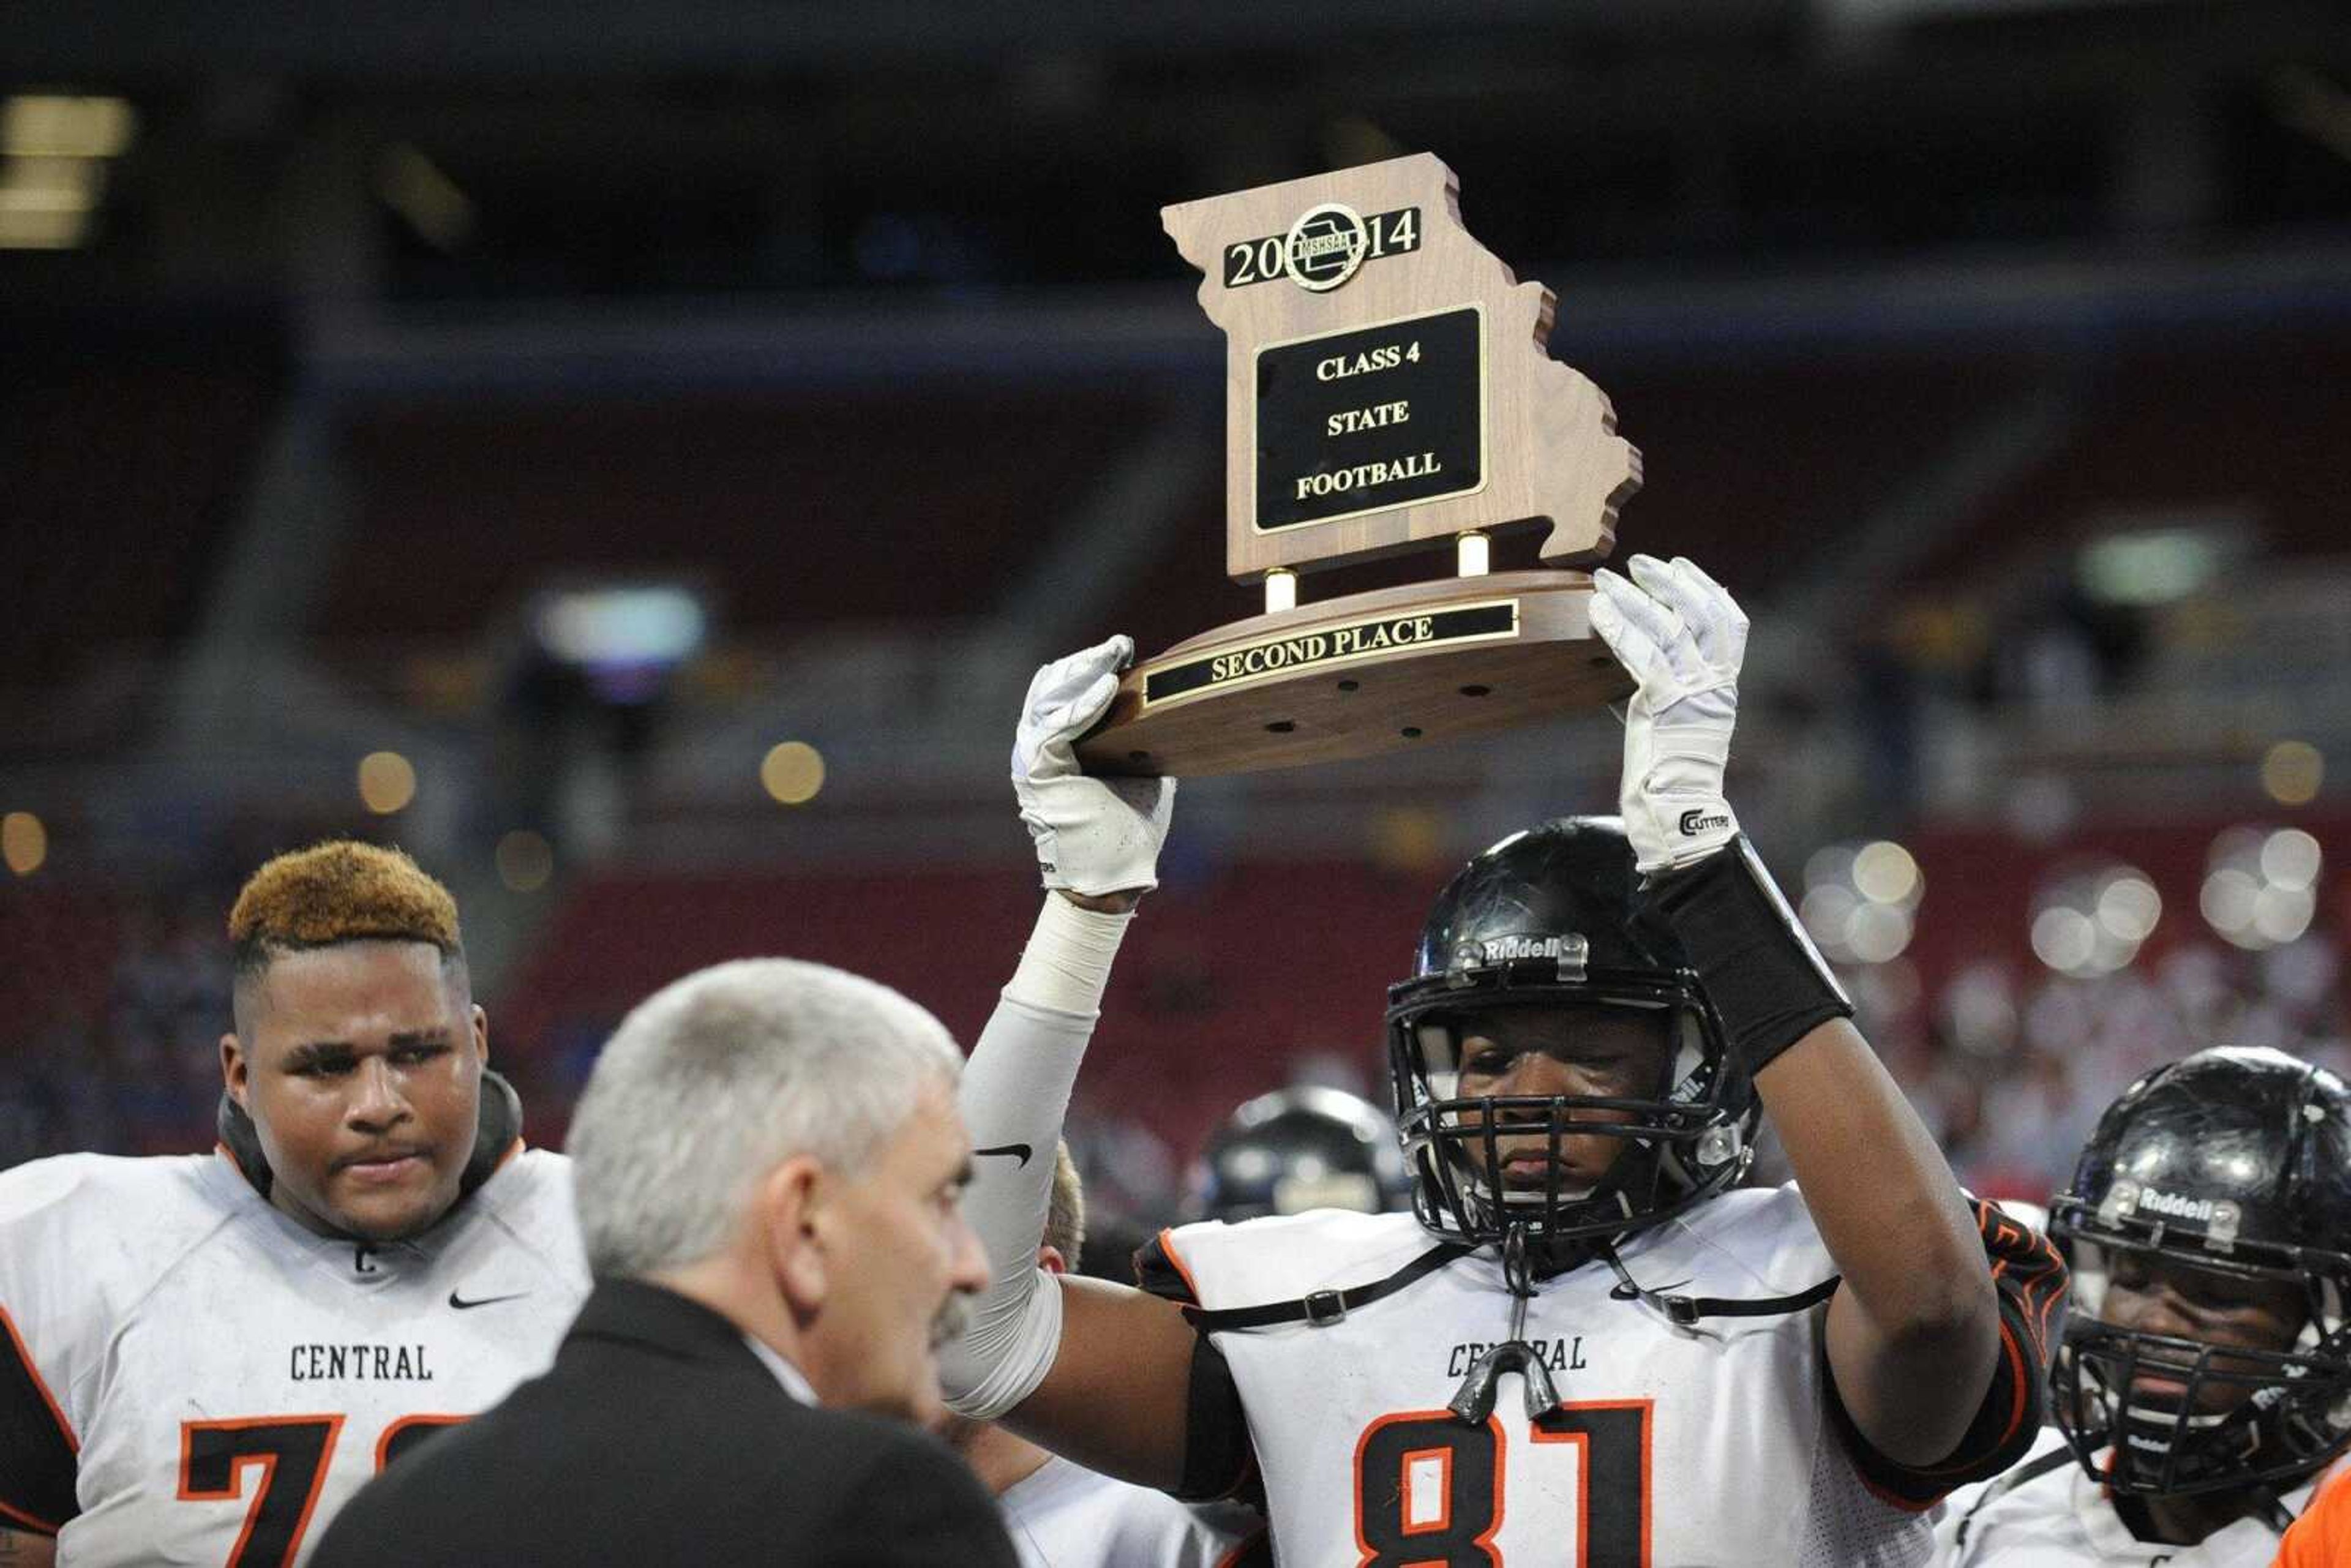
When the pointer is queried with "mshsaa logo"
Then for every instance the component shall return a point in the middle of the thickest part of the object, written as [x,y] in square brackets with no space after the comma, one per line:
[1325,246]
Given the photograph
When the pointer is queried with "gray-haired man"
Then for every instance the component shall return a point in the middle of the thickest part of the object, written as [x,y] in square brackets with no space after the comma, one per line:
[769,1165]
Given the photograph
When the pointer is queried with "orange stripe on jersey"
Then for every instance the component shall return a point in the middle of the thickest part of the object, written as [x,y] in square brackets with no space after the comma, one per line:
[1443,1458]
[512,1150]
[391,1433]
[236,1464]
[24,1357]
[317,1485]
[2042,1299]
[2015,1354]
[1895,1499]
[2019,1385]
[19,1516]
[1176,1259]
[1252,1549]
[225,1152]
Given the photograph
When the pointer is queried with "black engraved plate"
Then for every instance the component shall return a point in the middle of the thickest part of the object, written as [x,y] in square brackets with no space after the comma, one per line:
[1371,419]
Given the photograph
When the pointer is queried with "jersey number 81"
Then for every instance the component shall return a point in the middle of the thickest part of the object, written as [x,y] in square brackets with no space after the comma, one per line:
[1428,1486]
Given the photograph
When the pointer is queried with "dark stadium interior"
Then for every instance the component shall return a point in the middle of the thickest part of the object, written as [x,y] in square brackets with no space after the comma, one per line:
[1995,355]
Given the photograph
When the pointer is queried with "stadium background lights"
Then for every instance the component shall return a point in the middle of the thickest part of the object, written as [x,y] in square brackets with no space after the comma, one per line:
[1860,901]
[1408,839]
[526,861]
[2164,559]
[2291,771]
[24,842]
[625,639]
[411,184]
[2093,922]
[54,150]
[2260,885]
[387,782]
[792,772]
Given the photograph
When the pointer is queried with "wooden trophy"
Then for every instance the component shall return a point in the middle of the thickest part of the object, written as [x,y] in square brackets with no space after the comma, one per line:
[1388,387]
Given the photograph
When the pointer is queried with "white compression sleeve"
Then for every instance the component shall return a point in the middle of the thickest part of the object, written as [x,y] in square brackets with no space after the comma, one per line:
[1016,1093]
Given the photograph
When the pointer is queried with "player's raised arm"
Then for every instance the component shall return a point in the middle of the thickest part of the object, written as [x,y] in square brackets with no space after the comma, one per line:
[1098,1372]
[1914,1332]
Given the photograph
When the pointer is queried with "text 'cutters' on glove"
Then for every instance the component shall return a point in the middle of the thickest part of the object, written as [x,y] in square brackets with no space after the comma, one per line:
[1093,836]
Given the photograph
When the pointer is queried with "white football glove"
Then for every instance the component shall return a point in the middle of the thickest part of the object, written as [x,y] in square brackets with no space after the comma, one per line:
[1681,636]
[1094,835]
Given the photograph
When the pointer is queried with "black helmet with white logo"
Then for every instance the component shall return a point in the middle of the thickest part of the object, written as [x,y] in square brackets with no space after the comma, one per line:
[1546,919]
[1301,1148]
[2236,1161]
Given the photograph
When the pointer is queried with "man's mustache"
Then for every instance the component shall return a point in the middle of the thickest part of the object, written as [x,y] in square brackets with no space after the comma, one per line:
[954,1317]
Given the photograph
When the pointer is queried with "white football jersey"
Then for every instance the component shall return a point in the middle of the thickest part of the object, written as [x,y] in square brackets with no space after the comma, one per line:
[217,1380]
[1707,1444]
[1066,1516]
[2060,1518]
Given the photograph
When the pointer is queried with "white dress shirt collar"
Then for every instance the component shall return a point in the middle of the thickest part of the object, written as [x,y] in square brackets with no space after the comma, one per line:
[785,1373]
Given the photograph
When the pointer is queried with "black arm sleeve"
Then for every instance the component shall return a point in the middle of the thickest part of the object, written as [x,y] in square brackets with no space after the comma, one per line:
[36,1453]
[2029,1278]
[1220,1461]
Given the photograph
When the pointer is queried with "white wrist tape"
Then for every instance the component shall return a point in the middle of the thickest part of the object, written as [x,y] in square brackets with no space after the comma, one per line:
[1066,966]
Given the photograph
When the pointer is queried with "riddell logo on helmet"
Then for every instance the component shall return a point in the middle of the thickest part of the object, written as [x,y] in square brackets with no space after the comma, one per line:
[1570,952]
[2219,1217]
[1509,949]
[1696,822]
[2175,1205]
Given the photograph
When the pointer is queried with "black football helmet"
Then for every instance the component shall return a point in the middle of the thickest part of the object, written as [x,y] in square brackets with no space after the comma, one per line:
[1301,1148]
[2233,1160]
[1544,918]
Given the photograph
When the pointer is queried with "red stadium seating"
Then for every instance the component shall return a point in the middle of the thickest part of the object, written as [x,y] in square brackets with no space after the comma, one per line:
[796,512]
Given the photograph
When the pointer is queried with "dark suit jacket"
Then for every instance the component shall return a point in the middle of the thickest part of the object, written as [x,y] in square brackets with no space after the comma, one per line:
[658,1437]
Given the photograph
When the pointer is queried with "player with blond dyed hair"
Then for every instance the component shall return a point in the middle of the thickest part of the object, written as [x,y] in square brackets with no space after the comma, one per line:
[203,1356]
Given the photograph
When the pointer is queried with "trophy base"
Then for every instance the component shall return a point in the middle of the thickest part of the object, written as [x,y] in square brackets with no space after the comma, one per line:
[1361,677]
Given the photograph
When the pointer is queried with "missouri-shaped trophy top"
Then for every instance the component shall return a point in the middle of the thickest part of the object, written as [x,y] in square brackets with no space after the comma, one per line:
[1388,377]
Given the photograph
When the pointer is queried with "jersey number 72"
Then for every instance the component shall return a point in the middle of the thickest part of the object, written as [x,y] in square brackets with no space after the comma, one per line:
[291,1452]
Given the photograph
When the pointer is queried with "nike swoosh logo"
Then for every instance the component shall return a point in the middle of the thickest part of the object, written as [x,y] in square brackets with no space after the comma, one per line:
[1019,1151]
[463,1305]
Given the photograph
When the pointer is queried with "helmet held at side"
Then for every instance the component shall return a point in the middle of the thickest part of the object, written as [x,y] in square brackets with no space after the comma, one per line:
[2233,1164]
[1545,920]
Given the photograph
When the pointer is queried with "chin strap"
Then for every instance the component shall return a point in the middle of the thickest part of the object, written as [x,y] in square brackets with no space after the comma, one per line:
[497,1130]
